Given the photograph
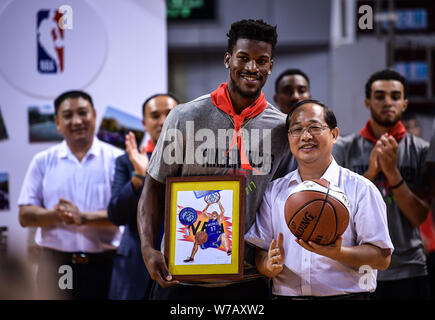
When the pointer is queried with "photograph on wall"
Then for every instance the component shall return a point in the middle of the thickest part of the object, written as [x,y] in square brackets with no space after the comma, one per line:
[3,240]
[4,191]
[41,124]
[115,126]
[204,219]
[3,131]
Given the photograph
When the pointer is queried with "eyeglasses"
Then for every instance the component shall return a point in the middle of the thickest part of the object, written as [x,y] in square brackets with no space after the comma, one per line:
[312,130]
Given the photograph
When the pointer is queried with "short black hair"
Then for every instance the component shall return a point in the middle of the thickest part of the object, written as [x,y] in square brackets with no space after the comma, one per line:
[290,72]
[73,94]
[252,30]
[386,74]
[328,115]
[158,95]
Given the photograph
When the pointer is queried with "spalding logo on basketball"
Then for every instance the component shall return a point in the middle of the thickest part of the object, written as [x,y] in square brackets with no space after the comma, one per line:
[317,211]
[187,216]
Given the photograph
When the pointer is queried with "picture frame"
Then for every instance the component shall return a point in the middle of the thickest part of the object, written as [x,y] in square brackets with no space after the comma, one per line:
[204,227]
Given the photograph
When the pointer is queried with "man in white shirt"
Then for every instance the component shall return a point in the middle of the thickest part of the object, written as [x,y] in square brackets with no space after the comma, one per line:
[65,194]
[307,270]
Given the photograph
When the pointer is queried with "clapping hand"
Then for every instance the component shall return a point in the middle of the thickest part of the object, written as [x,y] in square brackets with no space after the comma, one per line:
[374,166]
[387,147]
[139,160]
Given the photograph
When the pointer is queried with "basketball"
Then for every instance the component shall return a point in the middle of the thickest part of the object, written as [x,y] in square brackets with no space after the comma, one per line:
[212,198]
[317,211]
[201,237]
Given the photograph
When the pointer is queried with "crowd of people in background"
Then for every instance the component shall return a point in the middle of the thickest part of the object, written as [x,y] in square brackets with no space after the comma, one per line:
[100,210]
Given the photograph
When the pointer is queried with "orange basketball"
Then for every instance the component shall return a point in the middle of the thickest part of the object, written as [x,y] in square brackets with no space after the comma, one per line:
[317,211]
[201,237]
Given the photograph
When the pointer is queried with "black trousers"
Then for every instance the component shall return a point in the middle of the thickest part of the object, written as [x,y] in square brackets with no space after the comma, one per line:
[250,290]
[431,270]
[417,288]
[90,279]
[350,296]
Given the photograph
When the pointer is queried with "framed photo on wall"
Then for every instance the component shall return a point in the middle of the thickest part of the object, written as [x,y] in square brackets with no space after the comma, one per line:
[204,227]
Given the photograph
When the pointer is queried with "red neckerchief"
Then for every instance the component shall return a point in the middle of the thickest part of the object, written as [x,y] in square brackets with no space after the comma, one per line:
[222,100]
[149,148]
[398,132]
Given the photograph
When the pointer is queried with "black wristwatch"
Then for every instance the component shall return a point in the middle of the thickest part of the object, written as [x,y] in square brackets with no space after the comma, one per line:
[137,175]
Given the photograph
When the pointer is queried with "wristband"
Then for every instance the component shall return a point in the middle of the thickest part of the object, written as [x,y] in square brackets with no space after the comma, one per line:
[137,175]
[397,185]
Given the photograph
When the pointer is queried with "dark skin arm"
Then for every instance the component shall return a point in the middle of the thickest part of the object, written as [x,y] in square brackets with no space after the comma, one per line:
[150,212]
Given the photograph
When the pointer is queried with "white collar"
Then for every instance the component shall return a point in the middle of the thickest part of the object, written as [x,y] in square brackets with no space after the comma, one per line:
[65,151]
[332,174]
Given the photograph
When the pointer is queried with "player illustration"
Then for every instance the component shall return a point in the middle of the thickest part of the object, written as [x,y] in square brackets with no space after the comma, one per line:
[213,235]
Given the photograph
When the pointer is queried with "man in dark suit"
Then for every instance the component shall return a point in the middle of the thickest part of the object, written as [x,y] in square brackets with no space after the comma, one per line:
[130,278]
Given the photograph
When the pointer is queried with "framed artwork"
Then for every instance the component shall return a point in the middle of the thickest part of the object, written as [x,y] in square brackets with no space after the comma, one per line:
[204,227]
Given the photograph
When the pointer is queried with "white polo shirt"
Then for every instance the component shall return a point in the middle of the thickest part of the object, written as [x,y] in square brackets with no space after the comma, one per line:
[306,273]
[56,173]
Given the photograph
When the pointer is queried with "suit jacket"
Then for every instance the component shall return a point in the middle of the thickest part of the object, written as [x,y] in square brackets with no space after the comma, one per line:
[130,278]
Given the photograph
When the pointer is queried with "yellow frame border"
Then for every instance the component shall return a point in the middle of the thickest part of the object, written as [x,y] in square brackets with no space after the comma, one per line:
[202,269]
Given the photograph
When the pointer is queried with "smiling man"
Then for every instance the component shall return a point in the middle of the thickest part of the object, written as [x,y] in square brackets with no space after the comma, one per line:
[298,269]
[239,110]
[395,161]
[65,194]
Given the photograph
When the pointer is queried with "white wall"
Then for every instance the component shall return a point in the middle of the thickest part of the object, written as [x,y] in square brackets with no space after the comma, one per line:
[133,66]
[351,66]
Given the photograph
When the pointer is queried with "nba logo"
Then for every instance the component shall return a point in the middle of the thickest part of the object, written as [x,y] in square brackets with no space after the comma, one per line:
[50,41]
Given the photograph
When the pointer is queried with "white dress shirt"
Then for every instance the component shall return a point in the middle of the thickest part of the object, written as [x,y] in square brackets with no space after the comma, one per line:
[306,273]
[56,173]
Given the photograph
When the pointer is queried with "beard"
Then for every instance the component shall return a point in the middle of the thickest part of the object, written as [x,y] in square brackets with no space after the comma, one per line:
[386,122]
[253,95]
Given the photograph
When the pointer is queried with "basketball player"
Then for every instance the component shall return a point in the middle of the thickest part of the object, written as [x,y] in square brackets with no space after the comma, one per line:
[394,161]
[307,270]
[214,230]
[238,106]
